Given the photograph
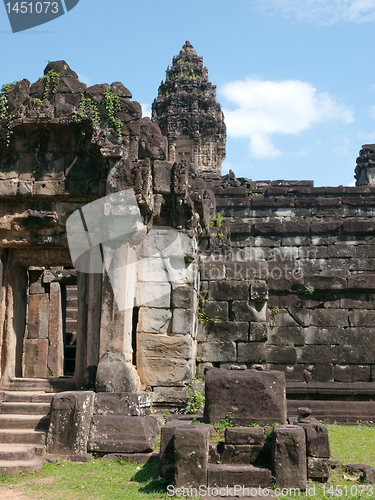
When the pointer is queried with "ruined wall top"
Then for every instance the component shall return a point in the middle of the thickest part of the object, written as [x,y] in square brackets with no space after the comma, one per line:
[188,114]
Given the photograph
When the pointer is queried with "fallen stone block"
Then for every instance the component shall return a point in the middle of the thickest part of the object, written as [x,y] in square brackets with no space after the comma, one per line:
[118,434]
[71,414]
[289,456]
[125,403]
[191,455]
[319,469]
[245,475]
[251,396]
[317,440]
[244,435]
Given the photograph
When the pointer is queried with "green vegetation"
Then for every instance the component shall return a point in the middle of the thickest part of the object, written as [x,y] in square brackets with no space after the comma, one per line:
[52,80]
[308,290]
[5,111]
[112,106]
[88,109]
[274,313]
[195,399]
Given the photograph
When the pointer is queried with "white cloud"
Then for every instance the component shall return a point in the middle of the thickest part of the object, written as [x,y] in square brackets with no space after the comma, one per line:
[146,110]
[264,108]
[321,11]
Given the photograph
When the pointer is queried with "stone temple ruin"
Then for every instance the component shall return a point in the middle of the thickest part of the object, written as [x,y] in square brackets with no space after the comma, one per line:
[277,275]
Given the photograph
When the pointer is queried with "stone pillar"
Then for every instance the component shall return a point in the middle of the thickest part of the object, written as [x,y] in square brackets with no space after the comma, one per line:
[191,455]
[55,361]
[289,456]
[71,415]
[118,293]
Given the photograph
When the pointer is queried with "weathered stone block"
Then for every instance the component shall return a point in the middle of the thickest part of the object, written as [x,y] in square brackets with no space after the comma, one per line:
[245,435]
[318,469]
[166,463]
[212,270]
[191,455]
[154,320]
[183,297]
[251,352]
[281,354]
[362,318]
[247,476]
[37,318]
[287,335]
[125,404]
[154,295]
[217,352]
[217,310]
[240,454]
[183,321]
[317,441]
[249,311]
[112,434]
[352,373]
[35,357]
[259,291]
[330,317]
[224,331]
[162,176]
[251,396]
[228,290]
[243,270]
[71,414]
[163,360]
[114,374]
[289,456]
[258,332]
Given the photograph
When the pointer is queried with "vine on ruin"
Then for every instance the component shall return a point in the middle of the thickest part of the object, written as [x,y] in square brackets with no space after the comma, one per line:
[112,106]
[51,79]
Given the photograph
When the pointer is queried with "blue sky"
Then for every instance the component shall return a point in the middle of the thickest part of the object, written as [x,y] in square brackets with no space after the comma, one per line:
[295,78]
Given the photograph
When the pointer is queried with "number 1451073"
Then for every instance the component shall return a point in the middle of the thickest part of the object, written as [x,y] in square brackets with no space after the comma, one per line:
[33,7]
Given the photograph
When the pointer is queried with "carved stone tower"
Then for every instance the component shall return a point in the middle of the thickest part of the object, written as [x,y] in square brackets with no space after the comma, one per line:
[189,116]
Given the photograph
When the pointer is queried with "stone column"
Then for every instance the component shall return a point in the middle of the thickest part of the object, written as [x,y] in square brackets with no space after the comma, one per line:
[55,361]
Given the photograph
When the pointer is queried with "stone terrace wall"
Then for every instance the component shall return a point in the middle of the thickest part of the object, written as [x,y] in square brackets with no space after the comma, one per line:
[319,245]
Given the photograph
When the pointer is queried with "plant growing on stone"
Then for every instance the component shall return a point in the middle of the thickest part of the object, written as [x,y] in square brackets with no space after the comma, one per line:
[308,290]
[52,80]
[5,112]
[223,424]
[274,312]
[88,109]
[112,106]
[195,399]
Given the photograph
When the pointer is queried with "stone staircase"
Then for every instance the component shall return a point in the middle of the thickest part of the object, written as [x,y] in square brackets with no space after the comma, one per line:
[24,423]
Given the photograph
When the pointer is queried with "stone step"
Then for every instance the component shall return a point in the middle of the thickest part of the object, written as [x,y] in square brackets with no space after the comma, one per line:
[71,314]
[34,422]
[22,436]
[26,396]
[21,451]
[15,467]
[59,384]
[246,475]
[21,408]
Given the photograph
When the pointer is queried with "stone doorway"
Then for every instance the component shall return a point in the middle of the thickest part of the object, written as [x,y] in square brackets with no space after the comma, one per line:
[49,346]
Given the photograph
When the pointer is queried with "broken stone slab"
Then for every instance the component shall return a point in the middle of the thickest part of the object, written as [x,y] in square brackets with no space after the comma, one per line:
[289,456]
[245,435]
[167,433]
[71,414]
[114,374]
[251,396]
[247,476]
[240,454]
[191,455]
[125,403]
[317,440]
[319,469]
[119,434]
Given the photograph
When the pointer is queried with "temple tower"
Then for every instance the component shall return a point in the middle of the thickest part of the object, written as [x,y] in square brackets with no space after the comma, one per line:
[189,116]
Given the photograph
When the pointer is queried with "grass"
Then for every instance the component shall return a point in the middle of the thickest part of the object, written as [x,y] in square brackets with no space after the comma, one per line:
[119,480]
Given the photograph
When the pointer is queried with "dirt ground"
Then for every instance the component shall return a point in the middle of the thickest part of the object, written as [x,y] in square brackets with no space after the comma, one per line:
[10,494]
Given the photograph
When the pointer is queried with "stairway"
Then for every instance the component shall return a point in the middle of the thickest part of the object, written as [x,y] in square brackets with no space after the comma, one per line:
[24,423]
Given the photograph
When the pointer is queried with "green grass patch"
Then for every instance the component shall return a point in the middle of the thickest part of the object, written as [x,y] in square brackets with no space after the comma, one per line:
[97,480]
